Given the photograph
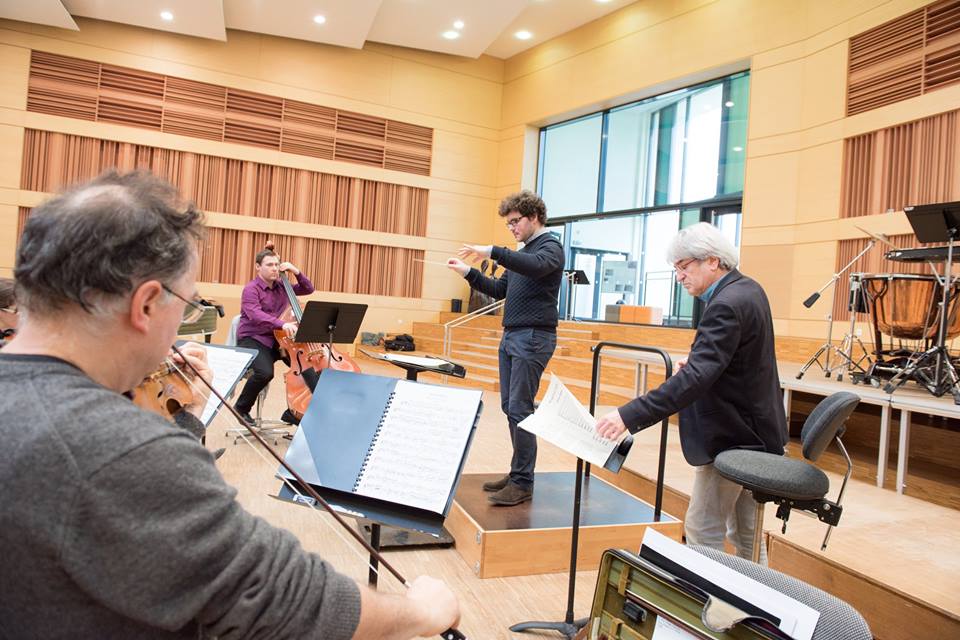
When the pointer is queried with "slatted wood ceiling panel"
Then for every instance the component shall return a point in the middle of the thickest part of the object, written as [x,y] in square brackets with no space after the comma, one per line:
[905,57]
[52,161]
[76,88]
[872,263]
[226,256]
[908,164]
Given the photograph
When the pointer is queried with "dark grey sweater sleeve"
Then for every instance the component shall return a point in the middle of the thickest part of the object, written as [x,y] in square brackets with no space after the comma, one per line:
[493,287]
[170,545]
[542,261]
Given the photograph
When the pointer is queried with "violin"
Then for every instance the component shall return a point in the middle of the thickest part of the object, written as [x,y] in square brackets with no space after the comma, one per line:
[307,359]
[164,391]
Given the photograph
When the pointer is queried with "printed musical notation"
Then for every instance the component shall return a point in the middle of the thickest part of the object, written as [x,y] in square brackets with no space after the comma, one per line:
[416,453]
[562,420]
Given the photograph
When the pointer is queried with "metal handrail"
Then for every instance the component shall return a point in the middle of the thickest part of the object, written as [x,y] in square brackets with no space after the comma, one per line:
[456,322]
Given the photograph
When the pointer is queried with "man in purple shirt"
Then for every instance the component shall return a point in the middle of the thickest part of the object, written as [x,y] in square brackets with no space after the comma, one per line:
[261,306]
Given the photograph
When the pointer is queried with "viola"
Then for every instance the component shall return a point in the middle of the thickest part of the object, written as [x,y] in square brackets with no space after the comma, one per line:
[306,359]
[164,391]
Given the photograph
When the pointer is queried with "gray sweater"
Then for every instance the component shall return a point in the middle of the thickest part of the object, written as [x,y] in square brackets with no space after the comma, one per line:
[115,523]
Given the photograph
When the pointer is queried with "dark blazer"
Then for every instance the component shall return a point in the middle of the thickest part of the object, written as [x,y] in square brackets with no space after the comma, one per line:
[728,394]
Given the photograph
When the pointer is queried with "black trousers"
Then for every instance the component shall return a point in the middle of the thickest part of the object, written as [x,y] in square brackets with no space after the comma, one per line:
[524,354]
[262,373]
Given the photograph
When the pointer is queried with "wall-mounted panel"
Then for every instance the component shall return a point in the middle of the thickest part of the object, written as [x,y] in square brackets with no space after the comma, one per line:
[907,164]
[52,161]
[905,57]
[75,88]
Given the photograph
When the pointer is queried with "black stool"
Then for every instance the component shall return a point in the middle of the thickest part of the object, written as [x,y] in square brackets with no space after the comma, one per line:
[791,483]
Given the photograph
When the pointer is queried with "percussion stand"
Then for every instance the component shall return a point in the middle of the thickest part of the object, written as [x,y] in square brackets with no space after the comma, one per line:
[944,375]
[827,347]
[855,368]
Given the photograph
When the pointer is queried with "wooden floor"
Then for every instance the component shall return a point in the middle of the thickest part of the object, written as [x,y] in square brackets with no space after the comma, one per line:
[904,542]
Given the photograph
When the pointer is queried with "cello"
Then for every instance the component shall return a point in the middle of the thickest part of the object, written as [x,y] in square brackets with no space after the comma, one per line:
[307,359]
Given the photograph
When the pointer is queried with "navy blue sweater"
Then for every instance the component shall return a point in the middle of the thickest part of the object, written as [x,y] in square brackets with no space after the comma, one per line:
[530,282]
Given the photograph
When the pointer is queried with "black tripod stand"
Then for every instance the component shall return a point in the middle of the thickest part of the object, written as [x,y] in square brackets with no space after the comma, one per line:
[570,627]
[933,369]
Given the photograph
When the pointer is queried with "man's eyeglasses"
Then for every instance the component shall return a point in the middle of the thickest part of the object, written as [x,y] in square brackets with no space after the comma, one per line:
[194,309]
[12,310]
[514,222]
[681,267]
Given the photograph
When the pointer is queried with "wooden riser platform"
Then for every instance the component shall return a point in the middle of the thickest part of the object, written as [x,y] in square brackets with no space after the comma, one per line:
[534,537]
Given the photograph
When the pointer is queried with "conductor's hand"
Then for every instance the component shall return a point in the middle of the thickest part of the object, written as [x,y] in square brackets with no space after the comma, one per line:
[611,425]
[474,252]
[455,264]
[287,266]
[196,356]
[681,363]
[290,328]
[434,605]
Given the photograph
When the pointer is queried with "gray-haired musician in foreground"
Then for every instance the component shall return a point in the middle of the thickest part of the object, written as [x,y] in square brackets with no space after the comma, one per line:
[727,391]
[115,523]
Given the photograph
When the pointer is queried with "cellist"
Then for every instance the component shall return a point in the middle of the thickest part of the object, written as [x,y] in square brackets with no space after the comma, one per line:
[262,307]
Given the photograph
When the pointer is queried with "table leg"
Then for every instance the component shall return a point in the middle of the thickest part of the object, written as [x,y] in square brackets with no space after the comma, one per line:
[884,444]
[903,452]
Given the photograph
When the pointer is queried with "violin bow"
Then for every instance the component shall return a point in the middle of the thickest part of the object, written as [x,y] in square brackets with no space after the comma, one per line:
[449,634]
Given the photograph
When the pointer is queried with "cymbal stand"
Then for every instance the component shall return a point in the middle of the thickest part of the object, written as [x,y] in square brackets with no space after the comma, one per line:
[828,347]
[933,369]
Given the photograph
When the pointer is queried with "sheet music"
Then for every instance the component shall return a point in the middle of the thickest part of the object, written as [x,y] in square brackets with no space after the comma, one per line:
[562,420]
[227,365]
[416,454]
[420,361]
[796,619]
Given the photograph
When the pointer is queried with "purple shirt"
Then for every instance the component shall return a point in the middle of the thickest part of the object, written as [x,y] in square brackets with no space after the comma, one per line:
[261,305]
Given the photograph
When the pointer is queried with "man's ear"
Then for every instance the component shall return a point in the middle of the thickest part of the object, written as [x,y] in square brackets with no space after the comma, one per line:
[144,304]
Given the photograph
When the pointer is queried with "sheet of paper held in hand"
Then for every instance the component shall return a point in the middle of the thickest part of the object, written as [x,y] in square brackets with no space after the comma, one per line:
[562,420]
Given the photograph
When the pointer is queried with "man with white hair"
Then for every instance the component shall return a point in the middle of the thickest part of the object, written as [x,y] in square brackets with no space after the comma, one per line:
[727,391]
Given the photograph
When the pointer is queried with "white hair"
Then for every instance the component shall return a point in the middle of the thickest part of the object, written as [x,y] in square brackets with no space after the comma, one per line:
[702,241]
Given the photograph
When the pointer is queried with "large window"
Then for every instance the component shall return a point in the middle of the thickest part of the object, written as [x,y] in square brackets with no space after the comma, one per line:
[622,182]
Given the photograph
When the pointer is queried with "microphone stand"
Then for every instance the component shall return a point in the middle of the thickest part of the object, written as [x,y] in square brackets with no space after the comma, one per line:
[827,347]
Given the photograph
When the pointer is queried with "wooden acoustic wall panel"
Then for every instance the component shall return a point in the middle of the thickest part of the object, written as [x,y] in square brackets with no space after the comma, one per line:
[907,164]
[905,57]
[194,109]
[52,161]
[226,256]
[76,88]
[130,97]
[872,262]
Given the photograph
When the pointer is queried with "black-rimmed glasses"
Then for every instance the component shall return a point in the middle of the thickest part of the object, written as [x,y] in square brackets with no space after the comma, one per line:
[194,309]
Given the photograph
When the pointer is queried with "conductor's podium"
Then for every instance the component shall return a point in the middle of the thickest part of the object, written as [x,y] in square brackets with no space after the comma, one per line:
[534,537]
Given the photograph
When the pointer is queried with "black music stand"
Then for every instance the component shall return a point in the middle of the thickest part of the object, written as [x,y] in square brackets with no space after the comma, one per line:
[330,322]
[573,276]
[933,369]
[570,626]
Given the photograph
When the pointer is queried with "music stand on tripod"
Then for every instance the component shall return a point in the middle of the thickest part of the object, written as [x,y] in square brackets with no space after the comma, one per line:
[933,369]
[573,276]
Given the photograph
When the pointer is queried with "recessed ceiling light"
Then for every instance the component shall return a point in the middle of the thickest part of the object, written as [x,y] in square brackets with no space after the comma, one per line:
[458,24]
[603,1]
[738,148]
[728,103]
[451,34]
[319,19]
[523,34]
[166,15]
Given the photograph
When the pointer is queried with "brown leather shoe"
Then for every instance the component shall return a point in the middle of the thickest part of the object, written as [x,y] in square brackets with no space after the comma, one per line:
[510,495]
[496,485]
